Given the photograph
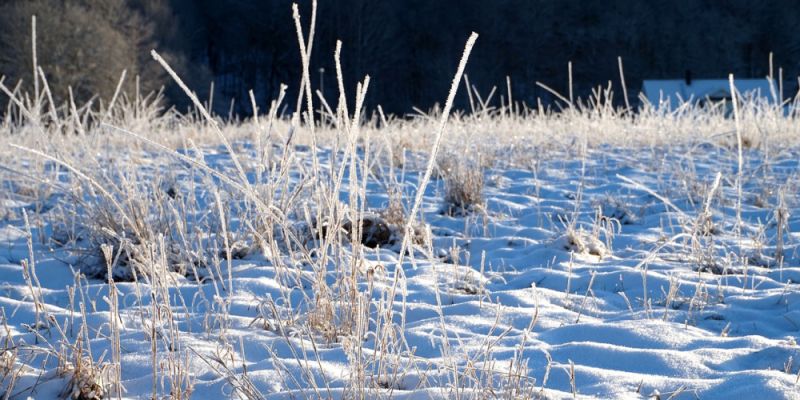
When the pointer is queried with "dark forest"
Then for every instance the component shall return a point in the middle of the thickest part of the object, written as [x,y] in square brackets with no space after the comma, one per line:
[409,48]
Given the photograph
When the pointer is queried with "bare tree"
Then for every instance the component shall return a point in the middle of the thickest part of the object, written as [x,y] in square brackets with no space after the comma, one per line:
[84,45]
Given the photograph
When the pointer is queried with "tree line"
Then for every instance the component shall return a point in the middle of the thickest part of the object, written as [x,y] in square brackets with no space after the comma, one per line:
[410,48]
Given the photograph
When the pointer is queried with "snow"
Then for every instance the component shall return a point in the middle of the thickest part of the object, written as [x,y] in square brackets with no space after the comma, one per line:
[635,310]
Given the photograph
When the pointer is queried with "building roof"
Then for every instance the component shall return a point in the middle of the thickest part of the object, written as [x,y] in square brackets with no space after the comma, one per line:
[672,92]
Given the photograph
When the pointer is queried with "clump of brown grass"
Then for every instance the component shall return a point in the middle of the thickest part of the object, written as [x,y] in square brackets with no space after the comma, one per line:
[463,184]
[7,359]
[395,211]
[579,241]
[133,248]
[88,380]
[394,214]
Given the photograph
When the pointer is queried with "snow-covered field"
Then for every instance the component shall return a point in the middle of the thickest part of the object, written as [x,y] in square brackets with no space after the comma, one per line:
[586,270]
[505,253]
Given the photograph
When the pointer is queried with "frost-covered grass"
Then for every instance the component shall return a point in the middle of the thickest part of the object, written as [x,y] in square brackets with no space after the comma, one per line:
[510,253]
[577,274]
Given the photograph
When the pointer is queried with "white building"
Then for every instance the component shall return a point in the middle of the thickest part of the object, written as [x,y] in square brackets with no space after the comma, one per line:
[672,92]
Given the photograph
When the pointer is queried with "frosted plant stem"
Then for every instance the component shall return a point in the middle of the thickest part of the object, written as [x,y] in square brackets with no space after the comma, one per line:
[432,159]
[736,117]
